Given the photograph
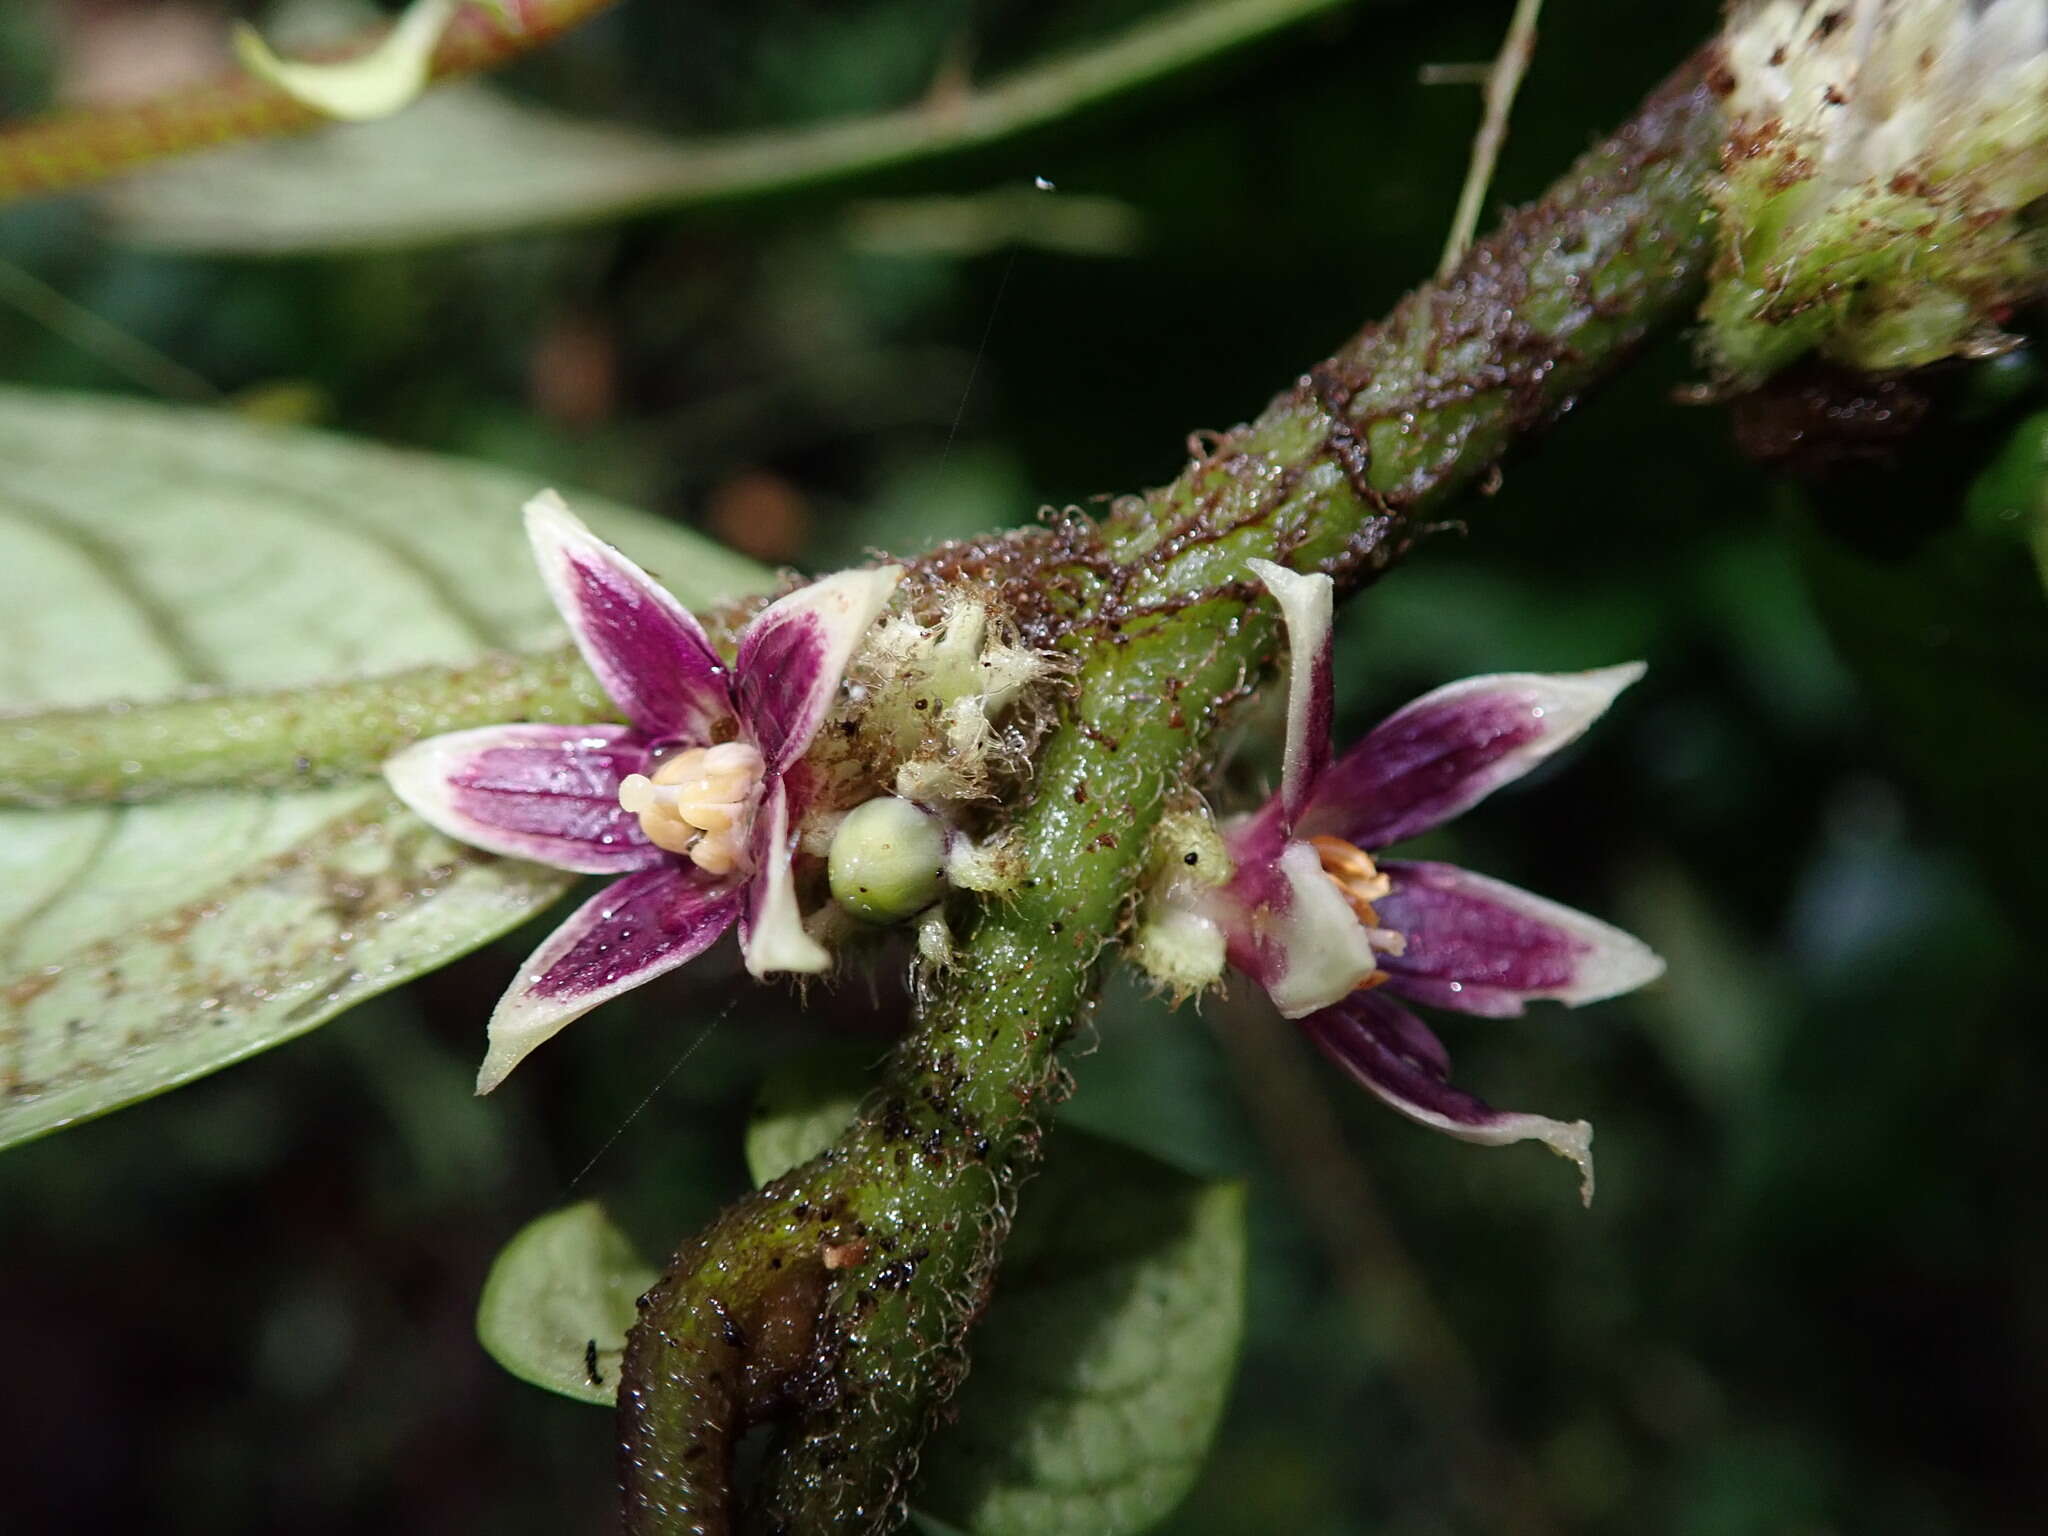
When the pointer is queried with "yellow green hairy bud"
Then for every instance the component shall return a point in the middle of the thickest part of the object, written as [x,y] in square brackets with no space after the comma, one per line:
[939,697]
[888,860]
[1172,942]
[994,867]
[1186,850]
[1181,951]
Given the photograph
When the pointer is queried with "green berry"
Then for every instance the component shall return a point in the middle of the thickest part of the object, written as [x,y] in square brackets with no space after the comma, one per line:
[888,860]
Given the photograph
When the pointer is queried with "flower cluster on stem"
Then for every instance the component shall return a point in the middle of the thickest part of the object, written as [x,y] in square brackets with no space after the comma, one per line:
[694,804]
[1334,934]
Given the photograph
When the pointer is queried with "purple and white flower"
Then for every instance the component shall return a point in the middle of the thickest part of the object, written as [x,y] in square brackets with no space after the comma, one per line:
[694,803]
[1334,935]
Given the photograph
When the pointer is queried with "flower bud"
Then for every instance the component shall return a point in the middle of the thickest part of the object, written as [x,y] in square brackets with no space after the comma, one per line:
[888,860]
[1882,163]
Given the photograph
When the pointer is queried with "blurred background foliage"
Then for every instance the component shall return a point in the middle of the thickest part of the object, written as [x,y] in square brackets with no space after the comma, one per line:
[1810,1296]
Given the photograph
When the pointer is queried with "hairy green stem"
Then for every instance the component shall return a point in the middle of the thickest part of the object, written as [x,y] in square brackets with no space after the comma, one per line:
[74,148]
[899,1227]
[291,738]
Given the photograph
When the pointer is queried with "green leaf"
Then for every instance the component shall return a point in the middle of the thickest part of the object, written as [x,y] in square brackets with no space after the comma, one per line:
[559,1300]
[463,163]
[1101,1367]
[803,1106]
[144,549]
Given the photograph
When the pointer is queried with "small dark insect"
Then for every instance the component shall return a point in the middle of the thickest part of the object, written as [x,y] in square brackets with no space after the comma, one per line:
[1190,858]
[590,1364]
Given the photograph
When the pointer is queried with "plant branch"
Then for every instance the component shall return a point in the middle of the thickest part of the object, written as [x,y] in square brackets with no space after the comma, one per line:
[74,148]
[288,738]
[902,1222]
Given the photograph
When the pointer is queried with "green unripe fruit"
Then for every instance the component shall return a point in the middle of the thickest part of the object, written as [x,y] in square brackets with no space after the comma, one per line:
[888,860]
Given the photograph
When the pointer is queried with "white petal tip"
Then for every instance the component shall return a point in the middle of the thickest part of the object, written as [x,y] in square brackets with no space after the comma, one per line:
[1618,963]
[519,1026]
[1575,700]
[416,775]
[1615,678]
[549,513]
[372,85]
[499,1060]
[419,776]
[795,952]
[1574,1143]
[1290,587]
[865,593]
[1571,1140]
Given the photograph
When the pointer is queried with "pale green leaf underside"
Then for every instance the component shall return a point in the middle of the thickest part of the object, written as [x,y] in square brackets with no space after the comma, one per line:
[559,1300]
[144,549]
[1102,1365]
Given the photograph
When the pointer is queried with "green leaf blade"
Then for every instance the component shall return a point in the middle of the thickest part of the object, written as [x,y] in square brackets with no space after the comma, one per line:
[559,1300]
[1101,1369]
[144,550]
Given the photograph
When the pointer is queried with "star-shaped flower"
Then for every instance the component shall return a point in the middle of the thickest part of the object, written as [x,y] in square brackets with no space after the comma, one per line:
[1333,934]
[694,804]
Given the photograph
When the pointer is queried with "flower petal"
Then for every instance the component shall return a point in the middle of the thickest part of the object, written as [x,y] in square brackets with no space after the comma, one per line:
[1293,932]
[1305,603]
[1453,747]
[373,84]
[647,650]
[549,793]
[1484,946]
[772,933]
[1394,1055]
[630,932]
[795,652]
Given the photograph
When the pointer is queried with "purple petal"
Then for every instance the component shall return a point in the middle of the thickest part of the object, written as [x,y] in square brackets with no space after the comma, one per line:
[794,653]
[1451,748]
[772,936]
[1395,1056]
[1288,927]
[647,650]
[1484,946]
[630,932]
[1305,604]
[549,793]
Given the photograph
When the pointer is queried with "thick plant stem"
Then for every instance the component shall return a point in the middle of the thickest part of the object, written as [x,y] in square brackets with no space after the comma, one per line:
[87,144]
[293,738]
[903,1221]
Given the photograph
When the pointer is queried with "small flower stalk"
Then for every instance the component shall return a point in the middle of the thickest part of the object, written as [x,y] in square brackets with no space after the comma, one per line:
[1877,183]
[1295,895]
[695,805]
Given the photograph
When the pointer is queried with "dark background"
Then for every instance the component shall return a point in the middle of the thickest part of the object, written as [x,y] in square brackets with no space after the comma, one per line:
[1809,1297]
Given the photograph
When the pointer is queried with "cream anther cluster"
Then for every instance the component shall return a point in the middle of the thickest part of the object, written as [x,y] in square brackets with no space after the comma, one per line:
[699,802]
